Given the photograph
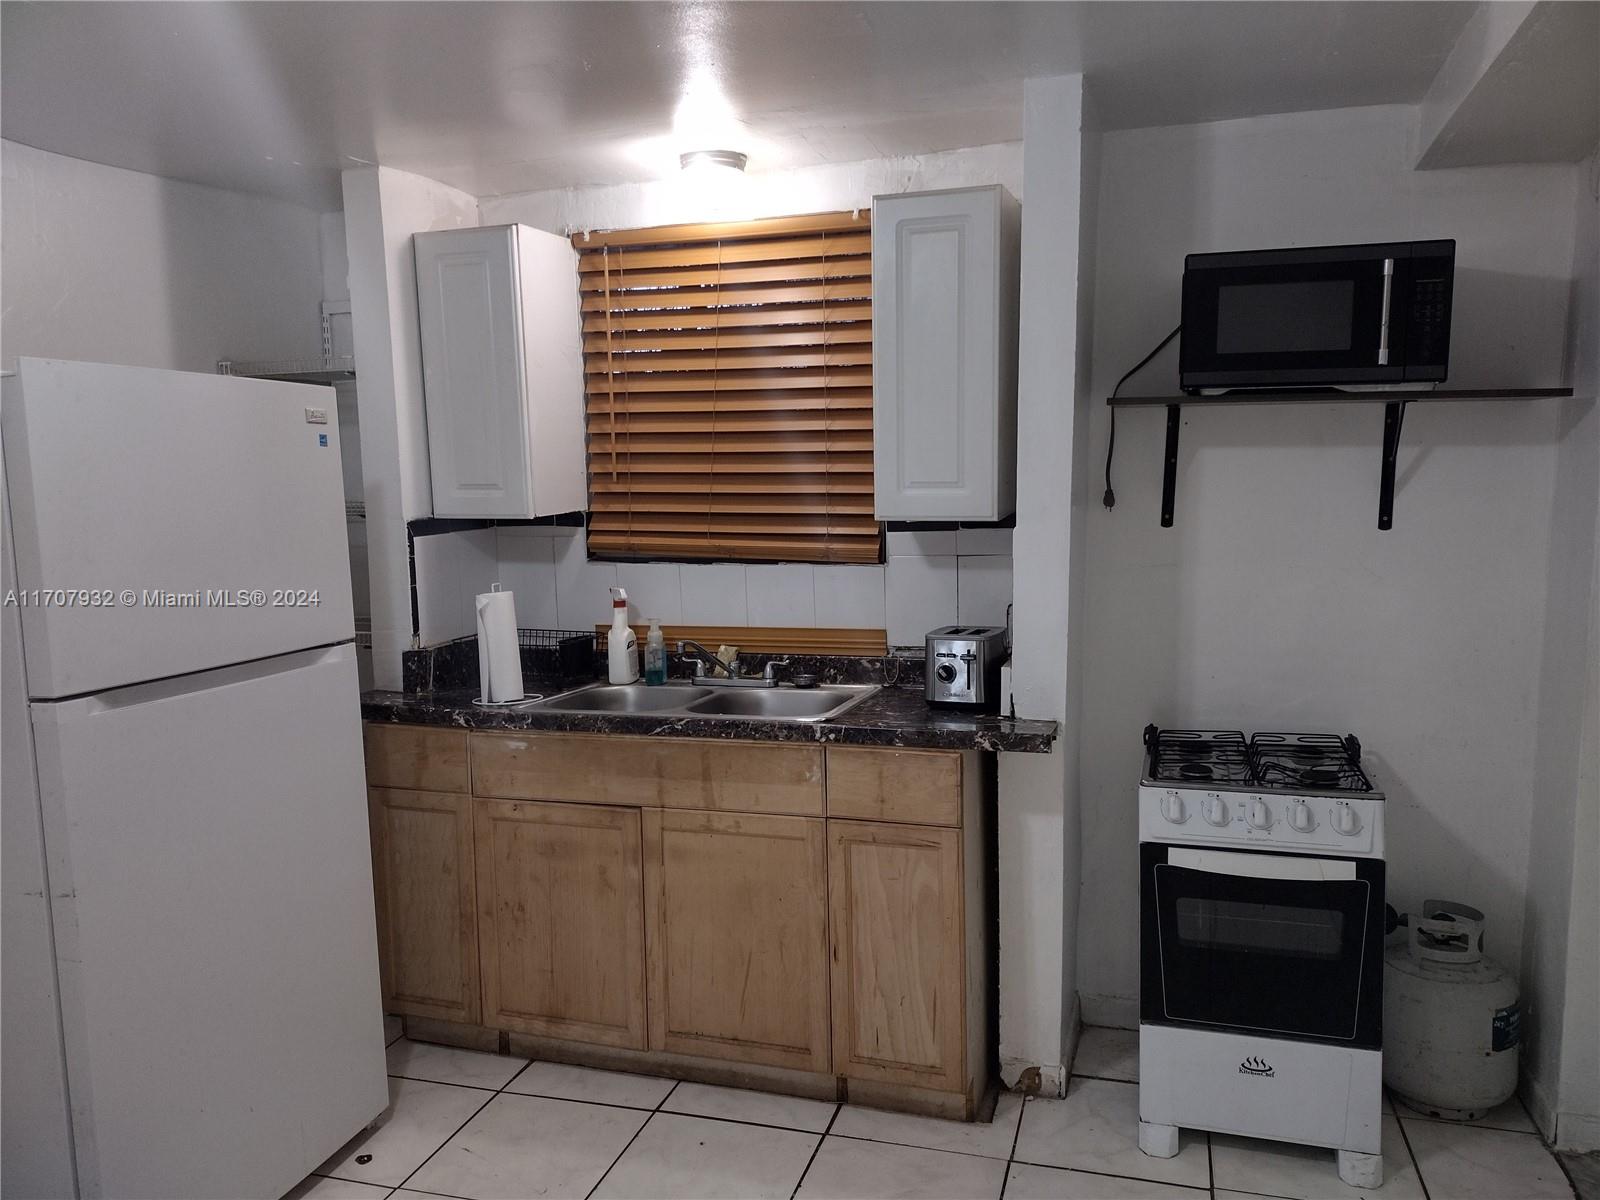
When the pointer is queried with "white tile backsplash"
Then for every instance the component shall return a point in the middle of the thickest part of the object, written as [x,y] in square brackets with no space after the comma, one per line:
[983,541]
[848,597]
[451,569]
[909,595]
[923,542]
[781,595]
[983,589]
[528,569]
[920,595]
[714,594]
[654,591]
[582,598]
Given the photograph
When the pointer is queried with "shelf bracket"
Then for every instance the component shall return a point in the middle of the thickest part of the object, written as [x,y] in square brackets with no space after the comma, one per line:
[1394,413]
[1169,469]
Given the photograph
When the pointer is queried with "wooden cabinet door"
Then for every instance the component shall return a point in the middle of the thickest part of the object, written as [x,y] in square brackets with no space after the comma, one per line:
[561,920]
[898,955]
[427,921]
[736,937]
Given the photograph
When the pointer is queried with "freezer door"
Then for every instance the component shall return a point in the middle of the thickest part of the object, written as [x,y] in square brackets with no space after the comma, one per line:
[211,888]
[170,497]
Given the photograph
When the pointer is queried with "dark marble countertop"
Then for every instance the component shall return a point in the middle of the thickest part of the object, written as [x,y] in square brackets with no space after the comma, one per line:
[895,716]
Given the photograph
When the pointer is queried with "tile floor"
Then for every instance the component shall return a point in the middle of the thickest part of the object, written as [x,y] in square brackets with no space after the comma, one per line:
[486,1127]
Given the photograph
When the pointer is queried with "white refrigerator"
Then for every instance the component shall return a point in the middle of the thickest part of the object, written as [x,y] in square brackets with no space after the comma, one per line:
[192,1005]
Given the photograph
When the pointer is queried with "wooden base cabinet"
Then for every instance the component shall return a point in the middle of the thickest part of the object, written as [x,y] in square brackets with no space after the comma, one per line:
[561,920]
[426,902]
[738,937]
[811,919]
[910,948]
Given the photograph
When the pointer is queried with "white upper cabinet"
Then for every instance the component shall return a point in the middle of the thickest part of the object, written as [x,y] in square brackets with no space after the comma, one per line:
[944,354]
[502,371]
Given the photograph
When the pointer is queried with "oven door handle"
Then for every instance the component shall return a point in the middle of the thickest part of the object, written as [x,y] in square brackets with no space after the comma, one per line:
[1383,321]
[1261,866]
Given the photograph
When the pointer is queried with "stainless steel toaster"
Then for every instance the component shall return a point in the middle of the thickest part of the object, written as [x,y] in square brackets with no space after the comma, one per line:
[964,664]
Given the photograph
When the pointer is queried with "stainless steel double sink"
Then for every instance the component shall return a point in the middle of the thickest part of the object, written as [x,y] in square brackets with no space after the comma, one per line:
[783,703]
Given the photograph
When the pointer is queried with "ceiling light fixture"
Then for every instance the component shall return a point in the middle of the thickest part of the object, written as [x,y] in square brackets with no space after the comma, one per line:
[732,159]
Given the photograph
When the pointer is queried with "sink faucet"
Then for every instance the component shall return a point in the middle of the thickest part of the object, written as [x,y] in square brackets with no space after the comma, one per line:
[769,673]
[704,659]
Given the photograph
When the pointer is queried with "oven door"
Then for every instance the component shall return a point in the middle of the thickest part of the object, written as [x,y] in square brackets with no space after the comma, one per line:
[1287,945]
[1291,318]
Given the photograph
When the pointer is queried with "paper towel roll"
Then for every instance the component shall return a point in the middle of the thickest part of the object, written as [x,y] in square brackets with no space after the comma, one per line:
[499,661]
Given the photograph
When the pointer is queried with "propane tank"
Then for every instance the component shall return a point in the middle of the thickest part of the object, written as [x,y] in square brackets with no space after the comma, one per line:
[1451,1020]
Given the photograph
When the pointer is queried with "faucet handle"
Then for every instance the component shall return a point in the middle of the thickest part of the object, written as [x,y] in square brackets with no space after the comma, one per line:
[770,671]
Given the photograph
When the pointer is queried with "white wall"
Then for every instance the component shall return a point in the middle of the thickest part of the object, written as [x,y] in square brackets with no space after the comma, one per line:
[1275,602]
[929,579]
[383,208]
[108,265]
[1560,952]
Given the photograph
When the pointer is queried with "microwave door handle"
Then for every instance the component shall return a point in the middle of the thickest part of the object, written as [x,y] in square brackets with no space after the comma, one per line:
[1383,321]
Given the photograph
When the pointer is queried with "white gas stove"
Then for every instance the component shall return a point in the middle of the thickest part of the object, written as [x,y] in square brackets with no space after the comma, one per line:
[1262,924]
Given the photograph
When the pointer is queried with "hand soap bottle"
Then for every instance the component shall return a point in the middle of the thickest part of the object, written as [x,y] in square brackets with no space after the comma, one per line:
[622,645]
[655,653]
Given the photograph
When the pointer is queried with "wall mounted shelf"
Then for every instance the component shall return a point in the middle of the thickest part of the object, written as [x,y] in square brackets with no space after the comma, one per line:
[1394,404]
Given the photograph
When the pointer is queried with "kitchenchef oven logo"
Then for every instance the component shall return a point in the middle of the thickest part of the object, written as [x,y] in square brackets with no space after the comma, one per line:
[1256,1066]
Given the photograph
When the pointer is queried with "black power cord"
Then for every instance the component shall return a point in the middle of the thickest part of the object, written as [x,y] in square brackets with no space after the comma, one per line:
[1110,498]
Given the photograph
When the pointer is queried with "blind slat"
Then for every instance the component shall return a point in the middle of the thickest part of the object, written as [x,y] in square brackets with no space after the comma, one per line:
[674,299]
[851,267]
[781,357]
[729,381]
[708,487]
[729,390]
[711,318]
[619,262]
[826,222]
[854,333]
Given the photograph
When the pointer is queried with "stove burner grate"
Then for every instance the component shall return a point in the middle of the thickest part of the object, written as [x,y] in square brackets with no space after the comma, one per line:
[1200,756]
[1322,762]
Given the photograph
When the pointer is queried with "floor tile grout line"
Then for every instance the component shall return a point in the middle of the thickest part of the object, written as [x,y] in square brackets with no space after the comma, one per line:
[426,1192]
[643,1125]
[1211,1168]
[446,1142]
[673,1112]
[1405,1141]
[1016,1136]
[1193,1187]
[838,1107]
[856,1137]
[471,1087]
[575,1100]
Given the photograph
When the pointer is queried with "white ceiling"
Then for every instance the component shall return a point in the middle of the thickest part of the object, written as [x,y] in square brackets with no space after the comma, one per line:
[508,97]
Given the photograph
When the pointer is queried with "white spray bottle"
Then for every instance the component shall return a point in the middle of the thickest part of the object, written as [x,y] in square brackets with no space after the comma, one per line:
[622,645]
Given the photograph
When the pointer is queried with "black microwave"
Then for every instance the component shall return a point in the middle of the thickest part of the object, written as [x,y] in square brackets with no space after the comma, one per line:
[1317,316]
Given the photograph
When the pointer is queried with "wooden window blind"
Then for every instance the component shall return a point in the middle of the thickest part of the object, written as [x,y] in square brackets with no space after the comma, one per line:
[728,380]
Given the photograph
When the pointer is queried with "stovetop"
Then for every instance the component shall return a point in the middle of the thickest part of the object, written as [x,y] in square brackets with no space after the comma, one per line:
[1287,763]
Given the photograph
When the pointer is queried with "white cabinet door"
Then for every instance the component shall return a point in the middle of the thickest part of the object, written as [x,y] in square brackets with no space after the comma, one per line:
[502,371]
[944,288]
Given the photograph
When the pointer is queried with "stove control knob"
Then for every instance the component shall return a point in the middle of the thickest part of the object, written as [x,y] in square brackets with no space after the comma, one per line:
[1300,816]
[1216,810]
[1346,820]
[1260,814]
[1172,809]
